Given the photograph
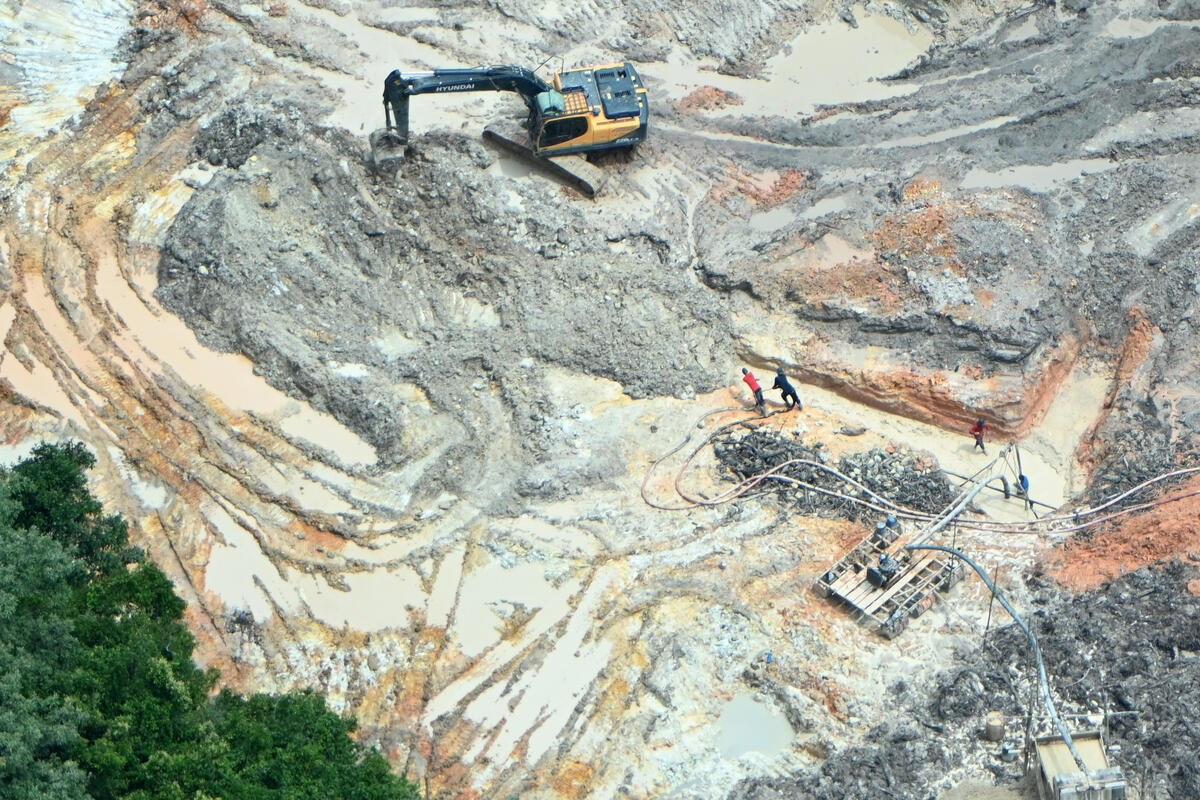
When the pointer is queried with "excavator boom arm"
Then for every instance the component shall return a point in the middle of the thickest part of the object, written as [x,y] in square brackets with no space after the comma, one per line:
[400,86]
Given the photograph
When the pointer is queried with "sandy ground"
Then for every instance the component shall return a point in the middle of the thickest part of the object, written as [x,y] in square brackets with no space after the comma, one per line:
[388,438]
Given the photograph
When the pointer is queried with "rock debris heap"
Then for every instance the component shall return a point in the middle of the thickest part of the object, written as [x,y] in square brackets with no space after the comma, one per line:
[1131,646]
[902,476]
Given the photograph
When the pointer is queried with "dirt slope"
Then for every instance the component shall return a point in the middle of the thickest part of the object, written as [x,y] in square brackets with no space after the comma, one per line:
[387,432]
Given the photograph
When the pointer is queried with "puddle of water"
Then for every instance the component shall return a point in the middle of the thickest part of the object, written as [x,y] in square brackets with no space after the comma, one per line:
[360,108]
[541,703]
[773,220]
[830,205]
[283,479]
[40,386]
[511,167]
[1025,30]
[445,587]
[239,572]
[835,250]
[1130,28]
[377,600]
[1079,403]
[1159,125]
[826,65]
[1036,177]
[486,590]
[948,133]
[8,315]
[747,725]
[230,576]
[834,63]
[415,14]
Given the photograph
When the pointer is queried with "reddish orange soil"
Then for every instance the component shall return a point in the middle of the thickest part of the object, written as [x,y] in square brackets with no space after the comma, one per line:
[574,779]
[1163,534]
[765,189]
[860,280]
[708,98]
[924,230]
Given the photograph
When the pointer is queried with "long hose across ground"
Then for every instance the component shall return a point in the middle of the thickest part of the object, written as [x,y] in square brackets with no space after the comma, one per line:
[1055,524]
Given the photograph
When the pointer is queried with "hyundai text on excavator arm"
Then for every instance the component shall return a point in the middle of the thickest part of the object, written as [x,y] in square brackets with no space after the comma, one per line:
[583,111]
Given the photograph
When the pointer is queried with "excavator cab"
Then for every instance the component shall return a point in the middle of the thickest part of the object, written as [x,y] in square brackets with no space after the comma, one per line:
[590,109]
[562,132]
[548,125]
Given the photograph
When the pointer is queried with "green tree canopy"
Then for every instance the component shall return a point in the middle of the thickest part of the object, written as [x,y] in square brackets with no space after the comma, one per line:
[99,695]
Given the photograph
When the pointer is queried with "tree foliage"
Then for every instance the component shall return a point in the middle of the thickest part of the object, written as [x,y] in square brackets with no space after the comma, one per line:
[99,696]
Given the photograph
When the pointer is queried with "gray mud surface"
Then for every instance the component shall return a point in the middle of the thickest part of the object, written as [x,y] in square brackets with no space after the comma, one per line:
[305,261]
[1131,647]
[449,279]
[1027,187]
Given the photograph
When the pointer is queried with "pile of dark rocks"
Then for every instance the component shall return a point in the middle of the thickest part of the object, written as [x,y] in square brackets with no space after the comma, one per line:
[902,476]
[1130,649]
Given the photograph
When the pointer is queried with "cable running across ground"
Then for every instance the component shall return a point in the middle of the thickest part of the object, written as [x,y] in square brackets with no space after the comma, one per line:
[1052,524]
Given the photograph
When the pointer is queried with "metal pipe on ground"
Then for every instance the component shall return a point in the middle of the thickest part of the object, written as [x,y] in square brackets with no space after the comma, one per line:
[945,471]
[1037,651]
[964,500]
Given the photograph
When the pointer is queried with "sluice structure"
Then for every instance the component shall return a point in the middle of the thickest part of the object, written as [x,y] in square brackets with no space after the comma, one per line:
[887,585]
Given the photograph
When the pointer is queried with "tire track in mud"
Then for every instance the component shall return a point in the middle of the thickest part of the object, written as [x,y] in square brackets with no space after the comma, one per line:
[118,394]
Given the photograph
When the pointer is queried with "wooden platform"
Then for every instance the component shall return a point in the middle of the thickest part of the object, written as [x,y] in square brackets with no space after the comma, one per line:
[910,593]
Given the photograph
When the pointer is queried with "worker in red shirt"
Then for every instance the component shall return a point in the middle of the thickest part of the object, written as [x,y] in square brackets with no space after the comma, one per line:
[752,382]
[978,431]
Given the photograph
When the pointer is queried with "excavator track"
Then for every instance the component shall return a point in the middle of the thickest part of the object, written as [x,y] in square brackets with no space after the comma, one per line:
[547,166]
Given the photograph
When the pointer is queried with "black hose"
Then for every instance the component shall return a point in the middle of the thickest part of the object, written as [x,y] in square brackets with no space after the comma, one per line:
[1037,651]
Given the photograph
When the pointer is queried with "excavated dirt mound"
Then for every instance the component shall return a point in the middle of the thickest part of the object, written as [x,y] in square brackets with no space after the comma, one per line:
[386,431]
[904,478]
[354,292]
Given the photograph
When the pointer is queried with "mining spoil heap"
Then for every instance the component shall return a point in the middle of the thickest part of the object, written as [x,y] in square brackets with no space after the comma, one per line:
[401,437]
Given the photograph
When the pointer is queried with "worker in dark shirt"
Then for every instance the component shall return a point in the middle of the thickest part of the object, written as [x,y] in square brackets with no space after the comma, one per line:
[787,392]
[978,431]
[752,382]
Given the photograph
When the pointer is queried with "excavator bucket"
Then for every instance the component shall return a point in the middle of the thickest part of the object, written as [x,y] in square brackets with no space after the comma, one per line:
[388,144]
[387,150]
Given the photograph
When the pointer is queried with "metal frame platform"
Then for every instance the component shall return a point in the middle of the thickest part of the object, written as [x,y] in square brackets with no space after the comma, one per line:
[909,594]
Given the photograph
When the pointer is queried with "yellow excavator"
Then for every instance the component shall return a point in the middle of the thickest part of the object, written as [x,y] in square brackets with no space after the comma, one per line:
[585,111]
